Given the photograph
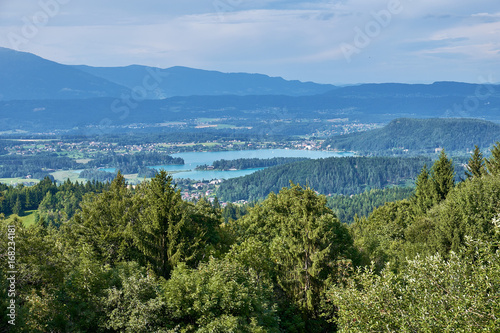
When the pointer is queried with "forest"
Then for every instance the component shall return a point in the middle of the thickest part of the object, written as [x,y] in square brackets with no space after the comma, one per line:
[143,260]
[420,136]
[345,175]
[249,163]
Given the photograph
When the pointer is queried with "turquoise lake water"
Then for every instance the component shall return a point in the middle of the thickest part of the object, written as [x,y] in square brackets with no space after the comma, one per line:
[193,159]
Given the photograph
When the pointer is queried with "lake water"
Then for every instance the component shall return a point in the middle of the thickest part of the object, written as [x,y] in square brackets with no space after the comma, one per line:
[193,159]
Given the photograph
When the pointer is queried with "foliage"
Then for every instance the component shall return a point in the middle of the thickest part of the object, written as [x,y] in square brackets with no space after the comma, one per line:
[347,207]
[168,230]
[430,294]
[219,296]
[476,166]
[304,241]
[249,163]
[420,135]
[97,175]
[344,175]
[493,163]
[443,175]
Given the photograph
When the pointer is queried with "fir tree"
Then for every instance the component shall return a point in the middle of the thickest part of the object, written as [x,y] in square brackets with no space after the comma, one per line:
[475,166]
[493,163]
[443,175]
[425,191]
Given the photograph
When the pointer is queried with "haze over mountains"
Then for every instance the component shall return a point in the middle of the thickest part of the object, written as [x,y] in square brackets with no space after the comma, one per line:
[38,94]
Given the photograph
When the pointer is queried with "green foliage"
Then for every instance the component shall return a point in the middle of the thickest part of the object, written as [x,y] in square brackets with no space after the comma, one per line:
[133,302]
[219,296]
[167,230]
[305,243]
[443,175]
[381,237]
[345,175]
[249,163]
[425,191]
[420,136]
[493,163]
[468,211]
[103,220]
[431,294]
[133,163]
[347,207]
[475,166]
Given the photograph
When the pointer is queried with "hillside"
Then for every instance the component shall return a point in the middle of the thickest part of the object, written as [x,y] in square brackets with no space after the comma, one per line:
[25,76]
[345,175]
[184,81]
[420,135]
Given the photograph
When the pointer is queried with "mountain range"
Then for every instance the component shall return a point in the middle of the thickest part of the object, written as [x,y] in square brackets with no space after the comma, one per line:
[27,76]
[39,95]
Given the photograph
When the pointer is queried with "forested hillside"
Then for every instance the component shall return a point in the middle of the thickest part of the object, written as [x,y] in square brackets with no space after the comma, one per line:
[144,260]
[345,175]
[420,136]
[249,163]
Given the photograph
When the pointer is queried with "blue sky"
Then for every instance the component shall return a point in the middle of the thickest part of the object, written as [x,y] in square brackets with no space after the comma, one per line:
[339,42]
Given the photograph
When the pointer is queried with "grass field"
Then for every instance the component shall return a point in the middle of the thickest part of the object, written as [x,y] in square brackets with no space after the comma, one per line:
[11,181]
[28,218]
[63,175]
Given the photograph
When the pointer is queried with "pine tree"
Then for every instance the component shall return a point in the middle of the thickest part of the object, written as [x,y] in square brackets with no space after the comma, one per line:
[425,191]
[475,166]
[161,232]
[493,163]
[18,206]
[443,175]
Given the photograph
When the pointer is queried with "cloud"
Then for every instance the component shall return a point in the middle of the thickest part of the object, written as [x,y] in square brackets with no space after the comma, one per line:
[293,39]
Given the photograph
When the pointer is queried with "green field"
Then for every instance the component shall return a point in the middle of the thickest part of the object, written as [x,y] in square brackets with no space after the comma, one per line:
[11,181]
[28,218]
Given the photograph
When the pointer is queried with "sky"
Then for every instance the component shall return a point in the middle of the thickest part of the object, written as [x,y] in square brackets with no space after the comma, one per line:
[337,42]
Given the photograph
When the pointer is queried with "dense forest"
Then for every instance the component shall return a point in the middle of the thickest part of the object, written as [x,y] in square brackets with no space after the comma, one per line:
[132,163]
[345,175]
[37,167]
[420,136]
[249,163]
[144,260]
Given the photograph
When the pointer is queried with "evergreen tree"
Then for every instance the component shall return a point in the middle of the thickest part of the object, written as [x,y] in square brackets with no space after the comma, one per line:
[103,220]
[425,192]
[169,230]
[18,206]
[443,175]
[493,163]
[475,166]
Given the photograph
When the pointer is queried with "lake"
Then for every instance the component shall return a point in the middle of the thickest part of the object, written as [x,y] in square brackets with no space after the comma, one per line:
[193,159]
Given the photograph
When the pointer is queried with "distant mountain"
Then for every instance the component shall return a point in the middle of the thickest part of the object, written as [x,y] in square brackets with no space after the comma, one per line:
[24,76]
[421,135]
[402,90]
[184,81]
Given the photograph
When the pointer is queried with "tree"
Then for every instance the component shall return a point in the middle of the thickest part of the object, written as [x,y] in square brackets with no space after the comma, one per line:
[443,175]
[103,220]
[168,230]
[429,294]
[475,166]
[493,163]
[425,191]
[305,242]
[219,296]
